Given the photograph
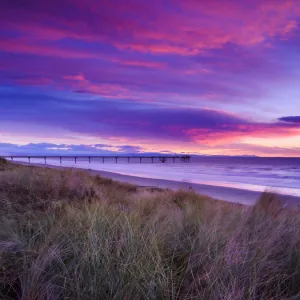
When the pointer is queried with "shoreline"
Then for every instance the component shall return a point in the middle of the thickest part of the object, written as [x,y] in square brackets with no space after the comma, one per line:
[228,194]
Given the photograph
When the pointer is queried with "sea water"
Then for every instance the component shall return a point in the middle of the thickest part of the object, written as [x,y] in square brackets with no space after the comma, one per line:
[280,175]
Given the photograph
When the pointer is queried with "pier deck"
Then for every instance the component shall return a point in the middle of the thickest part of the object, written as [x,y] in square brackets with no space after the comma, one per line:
[90,158]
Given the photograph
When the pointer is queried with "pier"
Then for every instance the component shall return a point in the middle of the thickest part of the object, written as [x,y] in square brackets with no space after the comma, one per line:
[90,158]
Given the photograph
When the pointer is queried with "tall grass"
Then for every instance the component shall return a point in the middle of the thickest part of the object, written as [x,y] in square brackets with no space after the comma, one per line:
[67,235]
[3,163]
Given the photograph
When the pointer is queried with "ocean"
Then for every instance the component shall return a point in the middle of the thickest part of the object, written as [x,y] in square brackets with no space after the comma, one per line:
[280,175]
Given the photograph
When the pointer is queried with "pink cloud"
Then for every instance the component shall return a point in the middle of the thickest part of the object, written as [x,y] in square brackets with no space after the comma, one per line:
[195,29]
[239,132]
[79,83]
[140,63]
[77,77]
[24,45]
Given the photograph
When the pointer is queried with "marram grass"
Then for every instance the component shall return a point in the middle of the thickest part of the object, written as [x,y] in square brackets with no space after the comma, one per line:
[67,235]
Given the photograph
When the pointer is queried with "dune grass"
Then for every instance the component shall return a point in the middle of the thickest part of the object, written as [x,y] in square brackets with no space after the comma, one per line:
[67,235]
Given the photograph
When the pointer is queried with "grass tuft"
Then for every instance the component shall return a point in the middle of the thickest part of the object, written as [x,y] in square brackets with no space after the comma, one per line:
[3,163]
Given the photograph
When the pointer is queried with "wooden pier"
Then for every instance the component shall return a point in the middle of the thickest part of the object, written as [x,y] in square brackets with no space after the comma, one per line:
[90,158]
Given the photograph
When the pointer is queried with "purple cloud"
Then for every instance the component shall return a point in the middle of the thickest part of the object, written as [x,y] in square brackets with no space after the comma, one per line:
[66,149]
[292,119]
[142,122]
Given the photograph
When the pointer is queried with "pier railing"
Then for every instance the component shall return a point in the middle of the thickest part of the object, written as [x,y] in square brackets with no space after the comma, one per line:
[90,158]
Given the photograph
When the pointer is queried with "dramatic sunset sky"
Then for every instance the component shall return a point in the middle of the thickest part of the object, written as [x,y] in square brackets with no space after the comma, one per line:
[184,76]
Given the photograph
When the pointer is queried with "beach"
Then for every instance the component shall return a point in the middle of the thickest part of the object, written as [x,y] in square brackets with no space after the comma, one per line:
[228,194]
[76,233]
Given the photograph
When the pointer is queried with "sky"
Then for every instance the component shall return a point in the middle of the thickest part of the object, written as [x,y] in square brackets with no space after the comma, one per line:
[217,77]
